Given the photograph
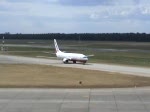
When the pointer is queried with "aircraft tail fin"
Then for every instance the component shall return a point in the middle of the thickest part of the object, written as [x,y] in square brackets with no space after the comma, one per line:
[56,46]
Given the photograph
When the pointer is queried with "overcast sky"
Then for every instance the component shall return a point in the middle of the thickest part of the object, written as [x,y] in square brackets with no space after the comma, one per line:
[74,16]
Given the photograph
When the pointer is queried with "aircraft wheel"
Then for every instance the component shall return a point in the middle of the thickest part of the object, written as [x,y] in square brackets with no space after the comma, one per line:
[74,61]
[65,62]
[84,63]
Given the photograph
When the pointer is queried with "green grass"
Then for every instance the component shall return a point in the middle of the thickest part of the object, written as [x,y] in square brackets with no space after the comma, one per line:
[136,59]
[29,52]
[124,58]
[28,49]
[84,44]
[120,45]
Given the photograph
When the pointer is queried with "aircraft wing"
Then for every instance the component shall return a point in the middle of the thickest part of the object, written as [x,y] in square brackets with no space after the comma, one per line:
[45,57]
[90,55]
[49,53]
[46,52]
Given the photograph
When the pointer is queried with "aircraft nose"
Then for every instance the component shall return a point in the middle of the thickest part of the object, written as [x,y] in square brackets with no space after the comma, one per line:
[86,59]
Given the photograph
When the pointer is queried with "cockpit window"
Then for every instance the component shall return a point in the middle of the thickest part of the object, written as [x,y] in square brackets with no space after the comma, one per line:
[85,57]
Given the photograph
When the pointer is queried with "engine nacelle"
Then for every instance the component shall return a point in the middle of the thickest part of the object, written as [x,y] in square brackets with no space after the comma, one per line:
[65,60]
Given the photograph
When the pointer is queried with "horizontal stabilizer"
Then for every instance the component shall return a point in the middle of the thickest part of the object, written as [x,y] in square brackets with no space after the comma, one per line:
[44,57]
[46,52]
[90,55]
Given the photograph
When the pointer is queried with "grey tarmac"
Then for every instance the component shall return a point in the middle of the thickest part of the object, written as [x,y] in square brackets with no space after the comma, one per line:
[75,100]
[91,66]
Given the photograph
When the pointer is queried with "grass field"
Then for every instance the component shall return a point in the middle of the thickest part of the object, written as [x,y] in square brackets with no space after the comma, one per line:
[84,44]
[122,58]
[135,58]
[48,76]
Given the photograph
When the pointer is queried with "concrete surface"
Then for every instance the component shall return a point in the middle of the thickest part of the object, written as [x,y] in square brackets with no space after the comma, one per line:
[92,66]
[75,100]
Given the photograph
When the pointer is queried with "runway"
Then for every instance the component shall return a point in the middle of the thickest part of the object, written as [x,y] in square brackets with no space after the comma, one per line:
[91,66]
[75,100]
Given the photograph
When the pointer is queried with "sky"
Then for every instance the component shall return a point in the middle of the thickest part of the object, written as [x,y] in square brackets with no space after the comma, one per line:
[75,16]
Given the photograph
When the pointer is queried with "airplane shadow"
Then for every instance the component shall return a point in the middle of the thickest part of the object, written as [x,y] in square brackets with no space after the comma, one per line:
[77,63]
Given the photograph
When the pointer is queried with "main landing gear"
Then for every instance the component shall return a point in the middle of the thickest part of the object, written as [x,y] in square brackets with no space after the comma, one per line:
[84,63]
[74,61]
[65,62]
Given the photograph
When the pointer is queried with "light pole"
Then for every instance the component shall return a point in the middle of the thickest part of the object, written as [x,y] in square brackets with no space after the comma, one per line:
[3,43]
[79,40]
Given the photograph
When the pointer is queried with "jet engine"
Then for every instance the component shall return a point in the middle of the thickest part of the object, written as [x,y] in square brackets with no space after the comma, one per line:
[65,60]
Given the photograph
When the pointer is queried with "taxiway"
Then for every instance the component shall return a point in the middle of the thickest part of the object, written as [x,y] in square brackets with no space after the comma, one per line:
[91,66]
[75,100]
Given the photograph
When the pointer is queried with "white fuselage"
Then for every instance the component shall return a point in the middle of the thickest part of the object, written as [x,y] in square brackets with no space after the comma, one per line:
[69,56]
[72,56]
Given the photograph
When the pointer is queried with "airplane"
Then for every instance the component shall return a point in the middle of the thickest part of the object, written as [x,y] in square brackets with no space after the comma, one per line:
[74,57]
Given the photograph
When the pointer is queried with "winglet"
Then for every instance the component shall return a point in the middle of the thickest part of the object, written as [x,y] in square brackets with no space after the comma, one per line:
[56,46]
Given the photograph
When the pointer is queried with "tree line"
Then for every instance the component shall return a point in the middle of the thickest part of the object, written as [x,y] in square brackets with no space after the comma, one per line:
[133,37]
